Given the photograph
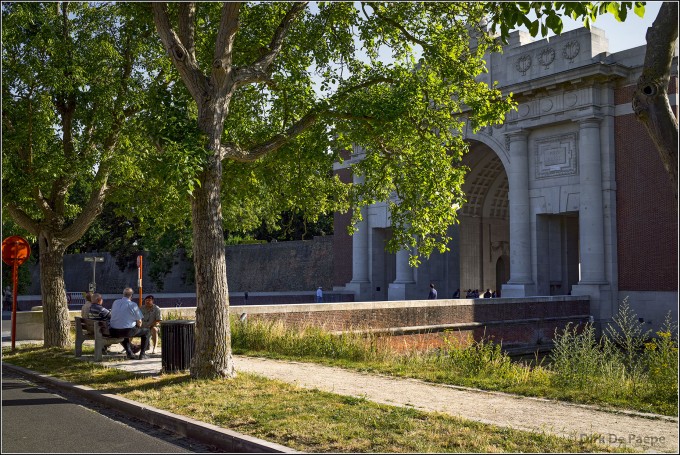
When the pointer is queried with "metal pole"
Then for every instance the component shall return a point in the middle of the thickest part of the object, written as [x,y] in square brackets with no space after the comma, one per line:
[94,279]
[140,279]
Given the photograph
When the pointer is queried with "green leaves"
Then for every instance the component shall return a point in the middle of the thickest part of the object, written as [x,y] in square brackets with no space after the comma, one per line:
[510,15]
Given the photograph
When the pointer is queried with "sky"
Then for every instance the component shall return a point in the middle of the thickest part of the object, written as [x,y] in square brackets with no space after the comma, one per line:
[621,35]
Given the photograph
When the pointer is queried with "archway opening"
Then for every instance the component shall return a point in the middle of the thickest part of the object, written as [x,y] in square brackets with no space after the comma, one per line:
[484,229]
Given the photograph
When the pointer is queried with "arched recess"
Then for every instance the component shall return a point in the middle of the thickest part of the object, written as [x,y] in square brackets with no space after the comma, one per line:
[502,271]
[484,230]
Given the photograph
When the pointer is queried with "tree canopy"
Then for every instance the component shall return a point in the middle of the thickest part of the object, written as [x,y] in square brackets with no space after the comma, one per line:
[73,78]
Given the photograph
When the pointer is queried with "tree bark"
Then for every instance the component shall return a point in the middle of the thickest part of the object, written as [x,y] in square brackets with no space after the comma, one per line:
[212,356]
[650,99]
[53,290]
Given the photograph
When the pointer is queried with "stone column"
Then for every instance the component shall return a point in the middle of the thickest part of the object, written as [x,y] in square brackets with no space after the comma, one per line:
[520,217]
[398,289]
[361,283]
[591,216]
[360,250]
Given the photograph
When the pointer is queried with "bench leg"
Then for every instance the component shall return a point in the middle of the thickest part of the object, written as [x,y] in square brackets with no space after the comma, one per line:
[98,346]
[79,342]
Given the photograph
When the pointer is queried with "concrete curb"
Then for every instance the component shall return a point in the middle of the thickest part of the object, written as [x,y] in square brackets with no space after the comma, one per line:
[223,439]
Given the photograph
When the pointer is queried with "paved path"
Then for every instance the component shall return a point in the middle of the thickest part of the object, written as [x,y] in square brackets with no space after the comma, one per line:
[500,409]
[639,431]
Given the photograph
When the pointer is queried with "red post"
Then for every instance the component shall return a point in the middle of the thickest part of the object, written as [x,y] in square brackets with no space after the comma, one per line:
[15,283]
[15,251]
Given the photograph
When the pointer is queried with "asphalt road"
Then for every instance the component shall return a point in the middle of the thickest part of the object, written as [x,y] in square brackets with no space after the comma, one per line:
[35,420]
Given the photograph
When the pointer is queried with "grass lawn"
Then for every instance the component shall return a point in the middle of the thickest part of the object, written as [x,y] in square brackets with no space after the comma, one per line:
[305,420]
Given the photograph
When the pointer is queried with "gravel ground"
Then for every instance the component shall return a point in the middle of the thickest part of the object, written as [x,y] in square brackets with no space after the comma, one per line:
[645,432]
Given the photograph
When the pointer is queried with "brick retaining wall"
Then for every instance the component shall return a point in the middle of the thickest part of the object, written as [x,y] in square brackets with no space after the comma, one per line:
[414,324]
[526,321]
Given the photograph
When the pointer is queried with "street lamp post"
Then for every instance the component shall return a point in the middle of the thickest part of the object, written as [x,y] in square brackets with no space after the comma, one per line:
[94,260]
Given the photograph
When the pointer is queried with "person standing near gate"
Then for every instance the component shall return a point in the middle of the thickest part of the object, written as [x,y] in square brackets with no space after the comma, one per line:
[319,295]
[126,322]
[433,293]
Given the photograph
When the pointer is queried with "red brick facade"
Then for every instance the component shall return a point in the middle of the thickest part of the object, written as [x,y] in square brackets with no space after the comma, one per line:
[646,209]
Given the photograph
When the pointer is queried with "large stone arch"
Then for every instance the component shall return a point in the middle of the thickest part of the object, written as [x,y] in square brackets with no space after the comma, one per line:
[483,232]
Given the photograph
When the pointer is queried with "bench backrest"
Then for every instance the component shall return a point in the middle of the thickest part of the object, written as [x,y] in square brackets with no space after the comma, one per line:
[85,324]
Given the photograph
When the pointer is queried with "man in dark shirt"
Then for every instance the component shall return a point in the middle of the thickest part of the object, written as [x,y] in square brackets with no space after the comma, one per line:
[433,293]
[97,310]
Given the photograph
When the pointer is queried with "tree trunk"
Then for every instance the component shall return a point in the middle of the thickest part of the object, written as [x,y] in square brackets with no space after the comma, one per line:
[212,356]
[650,99]
[55,307]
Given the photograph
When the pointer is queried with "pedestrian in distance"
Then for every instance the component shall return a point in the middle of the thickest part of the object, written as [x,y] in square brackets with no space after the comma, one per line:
[319,295]
[151,320]
[433,293]
[7,299]
[126,322]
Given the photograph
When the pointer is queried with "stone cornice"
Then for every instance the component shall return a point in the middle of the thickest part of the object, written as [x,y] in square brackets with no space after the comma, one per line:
[583,75]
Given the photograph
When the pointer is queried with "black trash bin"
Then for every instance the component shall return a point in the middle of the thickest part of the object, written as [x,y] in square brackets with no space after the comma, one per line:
[177,338]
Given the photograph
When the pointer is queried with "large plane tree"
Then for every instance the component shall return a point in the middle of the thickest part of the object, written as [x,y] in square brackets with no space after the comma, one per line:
[292,83]
[72,85]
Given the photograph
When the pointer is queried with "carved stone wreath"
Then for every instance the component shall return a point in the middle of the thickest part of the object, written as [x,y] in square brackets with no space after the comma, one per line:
[546,57]
[523,64]
[571,50]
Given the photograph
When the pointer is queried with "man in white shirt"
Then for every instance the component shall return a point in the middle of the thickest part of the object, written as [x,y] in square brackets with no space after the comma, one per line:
[126,322]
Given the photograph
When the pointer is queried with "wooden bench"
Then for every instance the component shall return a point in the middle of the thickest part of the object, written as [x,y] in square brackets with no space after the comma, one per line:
[99,333]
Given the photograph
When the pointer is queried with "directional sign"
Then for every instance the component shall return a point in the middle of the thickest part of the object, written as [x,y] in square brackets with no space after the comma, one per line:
[94,259]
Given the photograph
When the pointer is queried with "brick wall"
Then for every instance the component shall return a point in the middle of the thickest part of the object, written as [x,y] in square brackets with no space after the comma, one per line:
[526,321]
[281,266]
[647,224]
[274,267]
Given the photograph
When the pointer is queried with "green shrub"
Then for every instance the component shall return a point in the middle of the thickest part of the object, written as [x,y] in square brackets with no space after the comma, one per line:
[476,357]
[576,357]
[661,361]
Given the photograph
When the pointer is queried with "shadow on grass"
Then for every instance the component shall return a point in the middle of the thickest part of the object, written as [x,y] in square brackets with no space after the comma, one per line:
[62,364]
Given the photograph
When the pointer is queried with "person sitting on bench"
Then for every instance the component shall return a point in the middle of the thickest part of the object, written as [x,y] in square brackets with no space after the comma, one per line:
[126,322]
[97,310]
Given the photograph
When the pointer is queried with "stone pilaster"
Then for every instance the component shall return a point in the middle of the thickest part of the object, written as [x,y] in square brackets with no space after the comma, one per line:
[593,280]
